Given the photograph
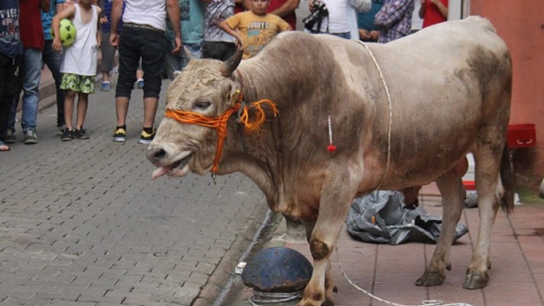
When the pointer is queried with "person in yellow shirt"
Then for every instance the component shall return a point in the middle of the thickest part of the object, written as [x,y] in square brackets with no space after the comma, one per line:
[255,28]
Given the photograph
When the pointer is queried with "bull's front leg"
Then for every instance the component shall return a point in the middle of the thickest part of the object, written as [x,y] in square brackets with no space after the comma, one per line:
[332,212]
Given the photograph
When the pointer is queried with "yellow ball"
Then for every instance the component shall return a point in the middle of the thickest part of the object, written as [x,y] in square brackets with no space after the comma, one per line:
[67,32]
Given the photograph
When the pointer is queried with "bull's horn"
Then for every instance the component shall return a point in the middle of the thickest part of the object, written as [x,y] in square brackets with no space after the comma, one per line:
[228,67]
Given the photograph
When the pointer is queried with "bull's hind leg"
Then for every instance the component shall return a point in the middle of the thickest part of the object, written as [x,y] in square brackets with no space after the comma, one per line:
[490,190]
[452,191]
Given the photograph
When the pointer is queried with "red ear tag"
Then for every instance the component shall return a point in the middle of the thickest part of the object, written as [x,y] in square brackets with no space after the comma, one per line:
[331,147]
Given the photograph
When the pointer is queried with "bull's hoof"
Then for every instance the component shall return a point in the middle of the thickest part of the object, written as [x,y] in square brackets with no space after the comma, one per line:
[475,281]
[315,303]
[430,278]
[328,303]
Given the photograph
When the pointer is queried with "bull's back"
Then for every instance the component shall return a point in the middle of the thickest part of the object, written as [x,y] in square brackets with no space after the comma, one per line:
[445,82]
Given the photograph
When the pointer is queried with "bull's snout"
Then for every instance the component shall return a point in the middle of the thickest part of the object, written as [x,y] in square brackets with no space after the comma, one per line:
[155,155]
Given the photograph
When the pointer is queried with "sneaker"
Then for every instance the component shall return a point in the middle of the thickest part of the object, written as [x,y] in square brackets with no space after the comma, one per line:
[67,135]
[30,137]
[140,83]
[105,86]
[60,129]
[147,138]
[10,137]
[120,135]
[81,134]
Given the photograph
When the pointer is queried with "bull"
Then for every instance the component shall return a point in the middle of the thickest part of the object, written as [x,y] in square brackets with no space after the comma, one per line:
[342,119]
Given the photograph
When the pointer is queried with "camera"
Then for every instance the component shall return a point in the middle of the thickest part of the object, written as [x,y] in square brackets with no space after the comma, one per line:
[317,16]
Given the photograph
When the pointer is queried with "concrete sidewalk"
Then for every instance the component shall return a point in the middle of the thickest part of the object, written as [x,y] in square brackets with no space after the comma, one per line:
[390,272]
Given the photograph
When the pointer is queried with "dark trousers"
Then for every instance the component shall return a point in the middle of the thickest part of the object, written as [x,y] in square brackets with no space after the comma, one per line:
[9,69]
[147,44]
[53,59]
[218,50]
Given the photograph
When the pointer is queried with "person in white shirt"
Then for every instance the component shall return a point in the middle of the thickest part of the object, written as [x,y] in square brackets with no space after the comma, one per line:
[143,37]
[342,17]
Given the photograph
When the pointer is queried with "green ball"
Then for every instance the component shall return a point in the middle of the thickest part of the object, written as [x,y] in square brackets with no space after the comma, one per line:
[67,32]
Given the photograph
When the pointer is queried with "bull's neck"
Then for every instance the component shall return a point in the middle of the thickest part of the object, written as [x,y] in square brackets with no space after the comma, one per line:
[258,82]
[255,154]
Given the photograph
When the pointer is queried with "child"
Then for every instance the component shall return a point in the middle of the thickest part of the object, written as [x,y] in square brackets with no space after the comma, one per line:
[217,44]
[108,51]
[255,28]
[78,63]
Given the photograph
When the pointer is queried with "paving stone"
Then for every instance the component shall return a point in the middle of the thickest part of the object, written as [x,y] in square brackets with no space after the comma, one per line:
[83,221]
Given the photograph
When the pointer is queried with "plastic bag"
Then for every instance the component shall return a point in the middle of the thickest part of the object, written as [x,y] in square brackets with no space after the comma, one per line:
[380,217]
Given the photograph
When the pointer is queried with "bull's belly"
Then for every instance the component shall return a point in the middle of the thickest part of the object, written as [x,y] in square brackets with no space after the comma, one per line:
[419,173]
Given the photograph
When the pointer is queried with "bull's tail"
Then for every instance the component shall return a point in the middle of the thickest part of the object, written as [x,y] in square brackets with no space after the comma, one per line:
[507,179]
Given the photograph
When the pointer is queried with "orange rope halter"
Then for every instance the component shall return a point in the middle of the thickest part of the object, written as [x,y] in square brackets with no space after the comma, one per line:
[220,123]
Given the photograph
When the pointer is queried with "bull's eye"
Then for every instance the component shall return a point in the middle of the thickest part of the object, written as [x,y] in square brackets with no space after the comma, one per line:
[202,105]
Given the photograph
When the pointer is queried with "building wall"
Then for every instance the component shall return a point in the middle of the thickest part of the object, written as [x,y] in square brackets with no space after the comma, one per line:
[521,25]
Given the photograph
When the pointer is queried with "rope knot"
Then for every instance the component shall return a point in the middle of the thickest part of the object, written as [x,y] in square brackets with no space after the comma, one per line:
[260,115]
[220,123]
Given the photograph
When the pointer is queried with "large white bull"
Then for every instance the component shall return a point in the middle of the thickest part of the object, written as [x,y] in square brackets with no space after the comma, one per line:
[402,114]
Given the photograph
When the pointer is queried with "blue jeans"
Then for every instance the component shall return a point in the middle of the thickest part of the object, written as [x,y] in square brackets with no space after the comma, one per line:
[196,49]
[53,59]
[29,82]
[179,61]
[346,35]
[175,63]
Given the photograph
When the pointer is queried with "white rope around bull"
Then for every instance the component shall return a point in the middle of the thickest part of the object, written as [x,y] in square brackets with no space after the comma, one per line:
[390,113]
[423,303]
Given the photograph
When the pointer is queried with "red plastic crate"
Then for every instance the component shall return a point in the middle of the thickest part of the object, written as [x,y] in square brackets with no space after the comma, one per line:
[469,185]
[521,135]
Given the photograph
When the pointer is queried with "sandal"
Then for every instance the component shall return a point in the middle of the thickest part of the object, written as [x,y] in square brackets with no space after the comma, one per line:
[3,146]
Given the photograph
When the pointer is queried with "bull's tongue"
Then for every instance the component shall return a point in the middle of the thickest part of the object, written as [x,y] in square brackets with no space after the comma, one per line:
[160,172]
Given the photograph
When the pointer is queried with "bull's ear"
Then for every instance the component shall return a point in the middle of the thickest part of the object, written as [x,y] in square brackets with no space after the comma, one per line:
[228,67]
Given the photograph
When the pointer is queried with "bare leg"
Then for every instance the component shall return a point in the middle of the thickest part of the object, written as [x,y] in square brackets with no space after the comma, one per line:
[105,76]
[150,109]
[121,107]
[69,98]
[82,104]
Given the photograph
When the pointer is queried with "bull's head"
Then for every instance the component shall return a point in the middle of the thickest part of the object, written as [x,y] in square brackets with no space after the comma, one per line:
[206,89]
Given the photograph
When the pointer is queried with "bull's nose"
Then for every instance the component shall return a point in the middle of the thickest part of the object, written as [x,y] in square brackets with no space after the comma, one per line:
[155,155]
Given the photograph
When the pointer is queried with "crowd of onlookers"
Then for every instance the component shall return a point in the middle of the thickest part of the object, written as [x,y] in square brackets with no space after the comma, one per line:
[154,38]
